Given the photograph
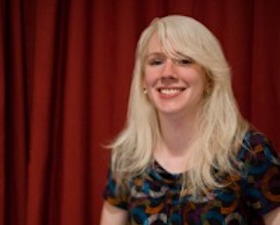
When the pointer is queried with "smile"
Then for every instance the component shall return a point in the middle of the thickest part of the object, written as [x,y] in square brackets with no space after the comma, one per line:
[170,91]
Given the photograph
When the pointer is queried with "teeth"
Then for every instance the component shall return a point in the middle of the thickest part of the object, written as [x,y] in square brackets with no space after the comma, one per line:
[169,91]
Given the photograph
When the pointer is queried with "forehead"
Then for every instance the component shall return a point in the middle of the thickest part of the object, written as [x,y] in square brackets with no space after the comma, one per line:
[154,45]
[157,45]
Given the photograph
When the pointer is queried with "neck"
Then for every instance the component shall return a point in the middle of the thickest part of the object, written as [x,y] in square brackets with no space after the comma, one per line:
[177,133]
[177,138]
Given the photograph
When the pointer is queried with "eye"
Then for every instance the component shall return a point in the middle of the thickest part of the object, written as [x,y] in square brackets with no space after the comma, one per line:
[183,61]
[155,61]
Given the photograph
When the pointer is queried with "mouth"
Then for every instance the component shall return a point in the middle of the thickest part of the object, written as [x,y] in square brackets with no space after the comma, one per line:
[170,91]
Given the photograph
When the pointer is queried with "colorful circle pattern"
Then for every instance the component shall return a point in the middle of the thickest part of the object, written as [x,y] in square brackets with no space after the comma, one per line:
[153,198]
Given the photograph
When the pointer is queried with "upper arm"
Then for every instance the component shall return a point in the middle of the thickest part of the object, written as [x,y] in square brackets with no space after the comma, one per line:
[273,217]
[112,215]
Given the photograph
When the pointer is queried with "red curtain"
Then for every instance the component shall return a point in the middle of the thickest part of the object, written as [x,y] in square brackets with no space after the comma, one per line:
[65,71]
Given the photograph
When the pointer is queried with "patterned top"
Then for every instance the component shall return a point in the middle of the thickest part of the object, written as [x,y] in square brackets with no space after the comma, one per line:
[153,198]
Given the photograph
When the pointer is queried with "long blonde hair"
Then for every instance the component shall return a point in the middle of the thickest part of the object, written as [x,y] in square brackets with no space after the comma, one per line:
[221,127]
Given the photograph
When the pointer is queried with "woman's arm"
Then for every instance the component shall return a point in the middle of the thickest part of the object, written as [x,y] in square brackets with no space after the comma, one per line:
[112,215]
[273,217]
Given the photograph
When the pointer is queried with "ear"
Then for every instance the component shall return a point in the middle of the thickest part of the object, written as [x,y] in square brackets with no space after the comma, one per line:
[144,86]
[208,85]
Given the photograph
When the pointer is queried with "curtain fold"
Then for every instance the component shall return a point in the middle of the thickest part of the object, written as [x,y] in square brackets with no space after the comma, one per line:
[265,76]
[15,114]
[2,115]
[65,72]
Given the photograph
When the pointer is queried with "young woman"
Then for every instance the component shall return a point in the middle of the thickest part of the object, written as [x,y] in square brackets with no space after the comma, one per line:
[186,155]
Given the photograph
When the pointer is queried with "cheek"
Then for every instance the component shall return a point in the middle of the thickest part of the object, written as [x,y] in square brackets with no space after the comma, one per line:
[200,79]
[148,80]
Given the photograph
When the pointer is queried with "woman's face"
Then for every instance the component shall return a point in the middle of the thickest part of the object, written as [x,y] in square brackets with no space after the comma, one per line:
[174,85]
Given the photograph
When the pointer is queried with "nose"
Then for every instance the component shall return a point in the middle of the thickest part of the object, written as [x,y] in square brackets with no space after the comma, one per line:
[169,68]
[168,73]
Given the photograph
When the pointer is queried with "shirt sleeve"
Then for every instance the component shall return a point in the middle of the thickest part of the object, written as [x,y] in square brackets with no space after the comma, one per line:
[261,174]
[114,194]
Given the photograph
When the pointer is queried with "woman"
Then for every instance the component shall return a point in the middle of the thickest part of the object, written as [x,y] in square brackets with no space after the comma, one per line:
[186,155]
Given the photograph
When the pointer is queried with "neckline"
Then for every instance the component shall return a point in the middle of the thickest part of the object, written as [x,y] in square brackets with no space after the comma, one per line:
[157,166]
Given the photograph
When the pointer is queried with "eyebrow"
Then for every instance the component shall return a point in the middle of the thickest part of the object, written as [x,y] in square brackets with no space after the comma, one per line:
[178,54]
[155,54]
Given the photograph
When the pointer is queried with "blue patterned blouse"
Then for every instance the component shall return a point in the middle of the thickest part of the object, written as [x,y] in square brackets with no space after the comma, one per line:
[153,198]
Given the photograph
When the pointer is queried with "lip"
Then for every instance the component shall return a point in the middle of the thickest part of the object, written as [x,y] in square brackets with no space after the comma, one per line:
[170,92]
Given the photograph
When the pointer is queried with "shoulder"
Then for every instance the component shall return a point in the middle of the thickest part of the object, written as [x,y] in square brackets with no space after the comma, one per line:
[258,157]
[254,138]
[257,145]
[260,174]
